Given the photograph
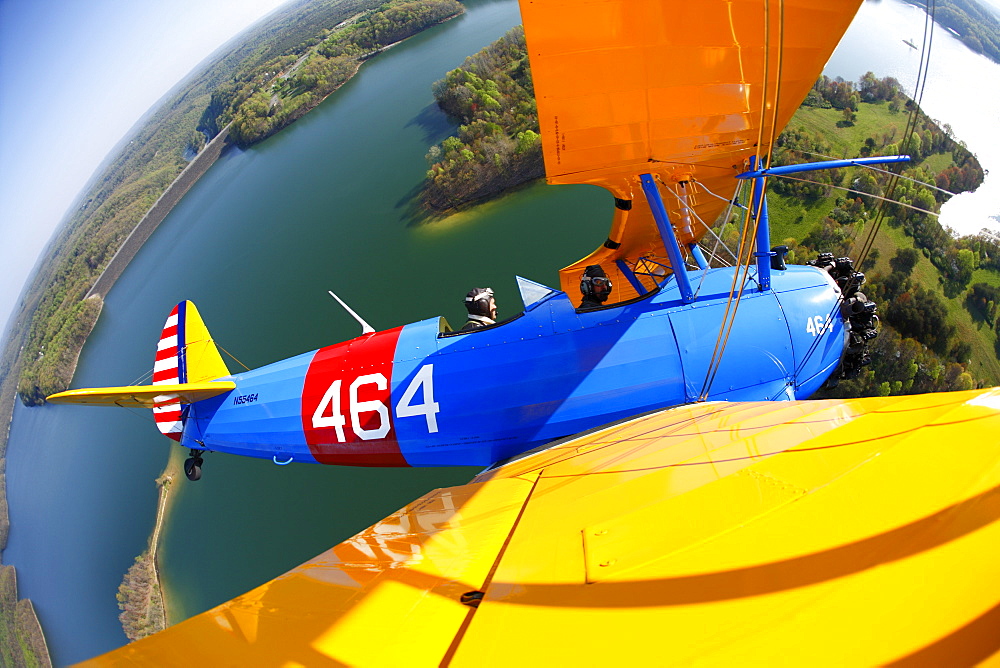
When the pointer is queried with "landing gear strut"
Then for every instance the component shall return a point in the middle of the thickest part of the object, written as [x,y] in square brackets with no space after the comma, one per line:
[192,465]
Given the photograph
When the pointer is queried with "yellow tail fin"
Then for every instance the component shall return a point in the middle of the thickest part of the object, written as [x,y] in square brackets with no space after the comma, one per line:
[201,356]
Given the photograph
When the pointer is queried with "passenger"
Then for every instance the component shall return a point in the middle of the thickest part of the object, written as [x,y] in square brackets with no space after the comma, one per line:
[595,286]
[482,309]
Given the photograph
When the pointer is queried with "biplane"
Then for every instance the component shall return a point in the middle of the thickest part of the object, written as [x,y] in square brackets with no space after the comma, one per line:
[658,488]
[676,147]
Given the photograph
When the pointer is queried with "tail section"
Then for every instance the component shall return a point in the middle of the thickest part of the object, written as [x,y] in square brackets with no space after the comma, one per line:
[184,371]
[184,354]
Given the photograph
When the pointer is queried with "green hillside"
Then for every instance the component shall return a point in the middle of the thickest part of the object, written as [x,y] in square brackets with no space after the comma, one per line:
[938,327]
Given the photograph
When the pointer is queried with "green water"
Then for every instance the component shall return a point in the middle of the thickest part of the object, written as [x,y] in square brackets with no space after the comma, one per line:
[256,244]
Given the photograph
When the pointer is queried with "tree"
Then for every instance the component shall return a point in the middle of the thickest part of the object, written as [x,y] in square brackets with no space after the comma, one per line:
[904,260]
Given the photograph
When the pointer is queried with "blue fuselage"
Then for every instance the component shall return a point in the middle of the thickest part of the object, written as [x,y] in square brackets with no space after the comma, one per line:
[413,396]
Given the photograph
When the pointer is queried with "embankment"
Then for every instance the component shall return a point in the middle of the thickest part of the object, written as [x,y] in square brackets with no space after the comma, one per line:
[22,642]
[167,201]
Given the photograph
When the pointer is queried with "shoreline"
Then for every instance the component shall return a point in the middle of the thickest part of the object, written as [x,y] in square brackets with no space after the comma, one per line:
[172,472]
[13,337]
[164,204]
[145,607]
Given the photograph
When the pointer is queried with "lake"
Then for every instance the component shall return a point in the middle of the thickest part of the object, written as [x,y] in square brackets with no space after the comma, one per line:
[256,244]
[875,42]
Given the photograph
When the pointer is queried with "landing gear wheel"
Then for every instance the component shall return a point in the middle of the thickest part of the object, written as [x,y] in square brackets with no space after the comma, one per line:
[192,468]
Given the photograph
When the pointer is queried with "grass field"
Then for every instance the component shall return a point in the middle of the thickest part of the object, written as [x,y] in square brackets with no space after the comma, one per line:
[873,120]
[792,219]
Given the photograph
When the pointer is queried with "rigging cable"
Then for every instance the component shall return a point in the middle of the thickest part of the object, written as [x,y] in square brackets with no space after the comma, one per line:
[740,276]
[748,243]
[718,241]
[233,356]
[701,221]
[894,176]
[918,96]
[878,197]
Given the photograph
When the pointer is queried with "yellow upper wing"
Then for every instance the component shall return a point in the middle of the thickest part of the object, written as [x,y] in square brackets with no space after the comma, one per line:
[687,91]
[852,532]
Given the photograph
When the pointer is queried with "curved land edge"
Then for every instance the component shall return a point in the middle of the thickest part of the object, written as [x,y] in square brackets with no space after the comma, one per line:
[972,23]
[22,643]
[250,99]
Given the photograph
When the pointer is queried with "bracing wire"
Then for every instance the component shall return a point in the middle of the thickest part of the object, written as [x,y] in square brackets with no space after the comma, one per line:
[141,380]
[878,197]
[777,86]
[732,202]
[911,124]
[234,357]
[701,221]
[740,276]
[894,177]
[747,242]
[873,168]
[718,241]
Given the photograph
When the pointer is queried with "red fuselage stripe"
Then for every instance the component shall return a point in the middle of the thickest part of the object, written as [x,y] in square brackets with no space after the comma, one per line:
[346,403]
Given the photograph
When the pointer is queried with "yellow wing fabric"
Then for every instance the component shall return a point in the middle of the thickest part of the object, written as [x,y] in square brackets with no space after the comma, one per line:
[687,91]
[854,532]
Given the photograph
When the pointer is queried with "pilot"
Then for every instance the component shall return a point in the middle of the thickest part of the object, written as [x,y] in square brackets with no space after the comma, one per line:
[595,286]
[482,309]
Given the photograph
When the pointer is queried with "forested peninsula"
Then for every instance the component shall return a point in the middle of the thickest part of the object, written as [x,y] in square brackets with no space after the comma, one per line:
[22,644]
[975,25]
[497,146]
[939,296]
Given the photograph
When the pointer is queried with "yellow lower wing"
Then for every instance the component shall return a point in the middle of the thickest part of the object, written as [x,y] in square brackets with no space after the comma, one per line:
[849,532]
[142,396]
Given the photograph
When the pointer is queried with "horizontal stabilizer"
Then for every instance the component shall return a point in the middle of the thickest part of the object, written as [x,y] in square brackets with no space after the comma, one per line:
[142,396]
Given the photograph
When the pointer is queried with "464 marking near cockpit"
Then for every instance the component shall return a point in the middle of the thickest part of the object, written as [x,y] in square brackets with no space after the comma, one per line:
[329,411]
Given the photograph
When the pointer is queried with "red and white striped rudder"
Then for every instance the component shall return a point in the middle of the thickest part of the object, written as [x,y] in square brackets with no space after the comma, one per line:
[168,370]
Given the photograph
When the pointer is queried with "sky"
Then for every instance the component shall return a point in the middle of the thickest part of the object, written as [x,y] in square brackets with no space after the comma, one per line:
[75,76]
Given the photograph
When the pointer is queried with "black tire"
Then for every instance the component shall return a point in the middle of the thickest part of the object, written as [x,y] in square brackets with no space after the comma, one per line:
[192,468]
